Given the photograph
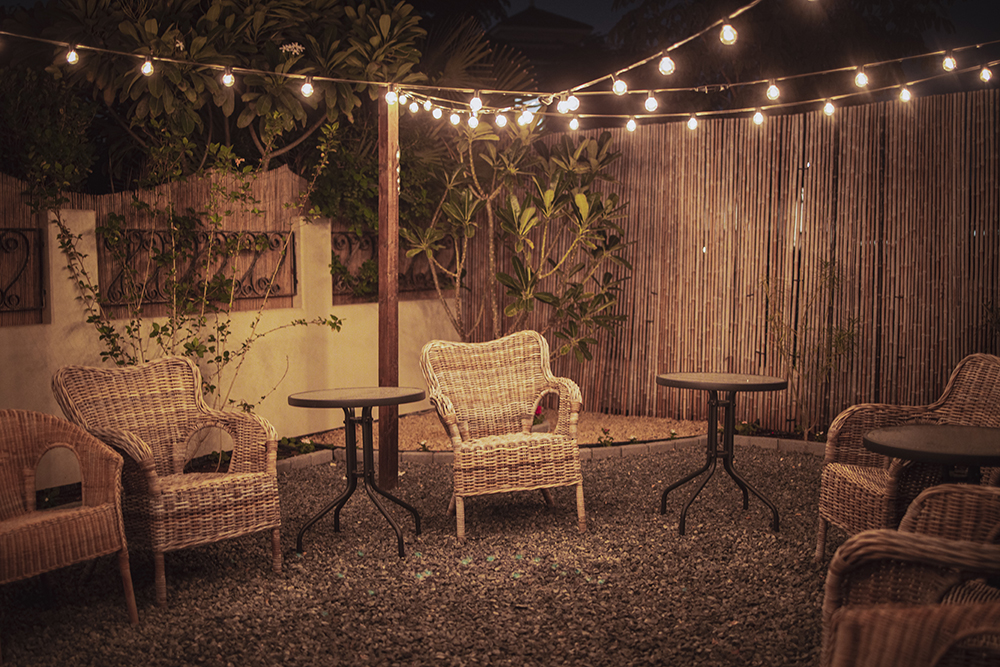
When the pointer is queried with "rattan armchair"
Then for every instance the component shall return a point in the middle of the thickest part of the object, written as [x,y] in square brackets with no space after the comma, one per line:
[861,490]
[152,414]
[34,541]
[920,595]
[486,395]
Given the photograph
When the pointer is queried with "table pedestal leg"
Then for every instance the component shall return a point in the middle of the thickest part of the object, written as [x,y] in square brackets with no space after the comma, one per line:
[713,454]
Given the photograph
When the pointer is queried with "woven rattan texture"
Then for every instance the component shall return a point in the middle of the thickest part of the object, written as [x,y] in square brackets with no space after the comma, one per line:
[35,541]
[486,395]
[150,413]
[848,499]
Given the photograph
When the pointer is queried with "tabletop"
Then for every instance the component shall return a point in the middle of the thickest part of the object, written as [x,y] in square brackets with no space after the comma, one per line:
[356,397]
[946,444]
[722,381]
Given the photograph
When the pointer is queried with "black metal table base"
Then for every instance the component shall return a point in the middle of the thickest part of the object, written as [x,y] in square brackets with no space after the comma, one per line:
[714,453]
[367,476]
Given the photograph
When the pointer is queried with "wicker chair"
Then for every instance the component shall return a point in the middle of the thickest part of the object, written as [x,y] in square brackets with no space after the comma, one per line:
[861,490]
[150,413]
[35,541]
[486,395]
[919,595]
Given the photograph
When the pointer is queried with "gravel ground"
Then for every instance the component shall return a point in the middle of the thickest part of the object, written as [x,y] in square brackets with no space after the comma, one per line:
[525,588]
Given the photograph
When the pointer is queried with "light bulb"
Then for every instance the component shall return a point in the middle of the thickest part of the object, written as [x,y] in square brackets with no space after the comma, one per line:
[473,121]
[414,107]
[949,63]
[773,92]
[72,57]
[427,105]
[455,120]
[526,117]
[573,102]
[501,120]
[391,97]
[147,67]
[574,124]
[861,79]
[630,125]
[985,74]
[403,99]
[651,103]
[562,106]
[437,113]
[828,108]
[476,103]
[758,117]
[728,34]
[692,123]
[228,79]
[619,87]
[307,87]
[667,65]
[905,95]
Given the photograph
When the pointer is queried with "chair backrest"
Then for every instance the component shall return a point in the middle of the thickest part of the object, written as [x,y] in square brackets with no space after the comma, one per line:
[157,401]
[972,395]
[492,386]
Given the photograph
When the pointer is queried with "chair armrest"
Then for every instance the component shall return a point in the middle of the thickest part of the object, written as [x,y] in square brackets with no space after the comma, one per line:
[956,512]
[570,401]
[100,472]
[886,566]
[844,440]
[254,438]
[449,418]
[125,442]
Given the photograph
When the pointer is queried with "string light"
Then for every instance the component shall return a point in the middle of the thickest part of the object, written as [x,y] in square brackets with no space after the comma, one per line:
[454,119]
[562,106]
[72,57]
[619,87]
[693,123]
[403,99]
[147,67]
[501,120]
[630,125]
[828,108]
[574,124]
[526,117]
[861,78]
[573,102]
[728,34]
[428,105]
[473,122]
[949,63]
[414,107]
[476,103]
[651,103]
[985,74]
[773,92]
[758,117]
[390,96]
[308,90]
[227,78]
[437,113]
[905,95]
[667,65]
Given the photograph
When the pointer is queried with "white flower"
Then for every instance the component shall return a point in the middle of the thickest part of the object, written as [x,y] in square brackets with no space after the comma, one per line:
[179,44]
[293,48]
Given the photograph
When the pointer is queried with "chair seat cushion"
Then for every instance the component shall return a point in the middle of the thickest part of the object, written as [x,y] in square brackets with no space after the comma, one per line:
[516,462]
[855,498]
[46,540]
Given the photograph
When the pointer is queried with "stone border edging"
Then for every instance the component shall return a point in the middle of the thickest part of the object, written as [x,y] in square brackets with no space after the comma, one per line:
[586,453]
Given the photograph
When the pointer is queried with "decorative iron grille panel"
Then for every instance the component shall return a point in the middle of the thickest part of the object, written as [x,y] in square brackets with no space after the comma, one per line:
[355,268]
[21,271]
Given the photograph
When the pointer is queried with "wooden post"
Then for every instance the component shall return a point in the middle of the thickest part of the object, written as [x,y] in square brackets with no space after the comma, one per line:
[388,288]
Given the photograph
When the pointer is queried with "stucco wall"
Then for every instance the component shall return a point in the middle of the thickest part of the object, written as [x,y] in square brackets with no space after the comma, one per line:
[284,362]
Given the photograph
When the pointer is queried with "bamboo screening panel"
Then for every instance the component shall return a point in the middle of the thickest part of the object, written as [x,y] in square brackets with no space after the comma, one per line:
[903,197]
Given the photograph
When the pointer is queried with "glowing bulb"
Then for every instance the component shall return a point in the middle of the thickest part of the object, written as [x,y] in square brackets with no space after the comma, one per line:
[667,65]
[526,117]
[501,120]
[476,103]
[308,90]
[414,107]
[72,57]
[427,105]
[574,124]
[562,106]
[455,120]
[828,108]
[437,113]
[985,74]
[861,79]
[773,92]
[619,87]
[728,34]
[758,117]
[651,103]
[403,99]
[228,79]
[391,97]
[147,67]
[693,123]
[573,102]
[949,63]
[630,125]
[473,121]
[905,94]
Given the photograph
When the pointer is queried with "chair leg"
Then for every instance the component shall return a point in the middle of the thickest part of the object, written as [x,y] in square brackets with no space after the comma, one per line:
[549,500]
[581,512]
[159,579]
[451,505]
[276,550]
[821,540]
[126,570]
[460,515]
